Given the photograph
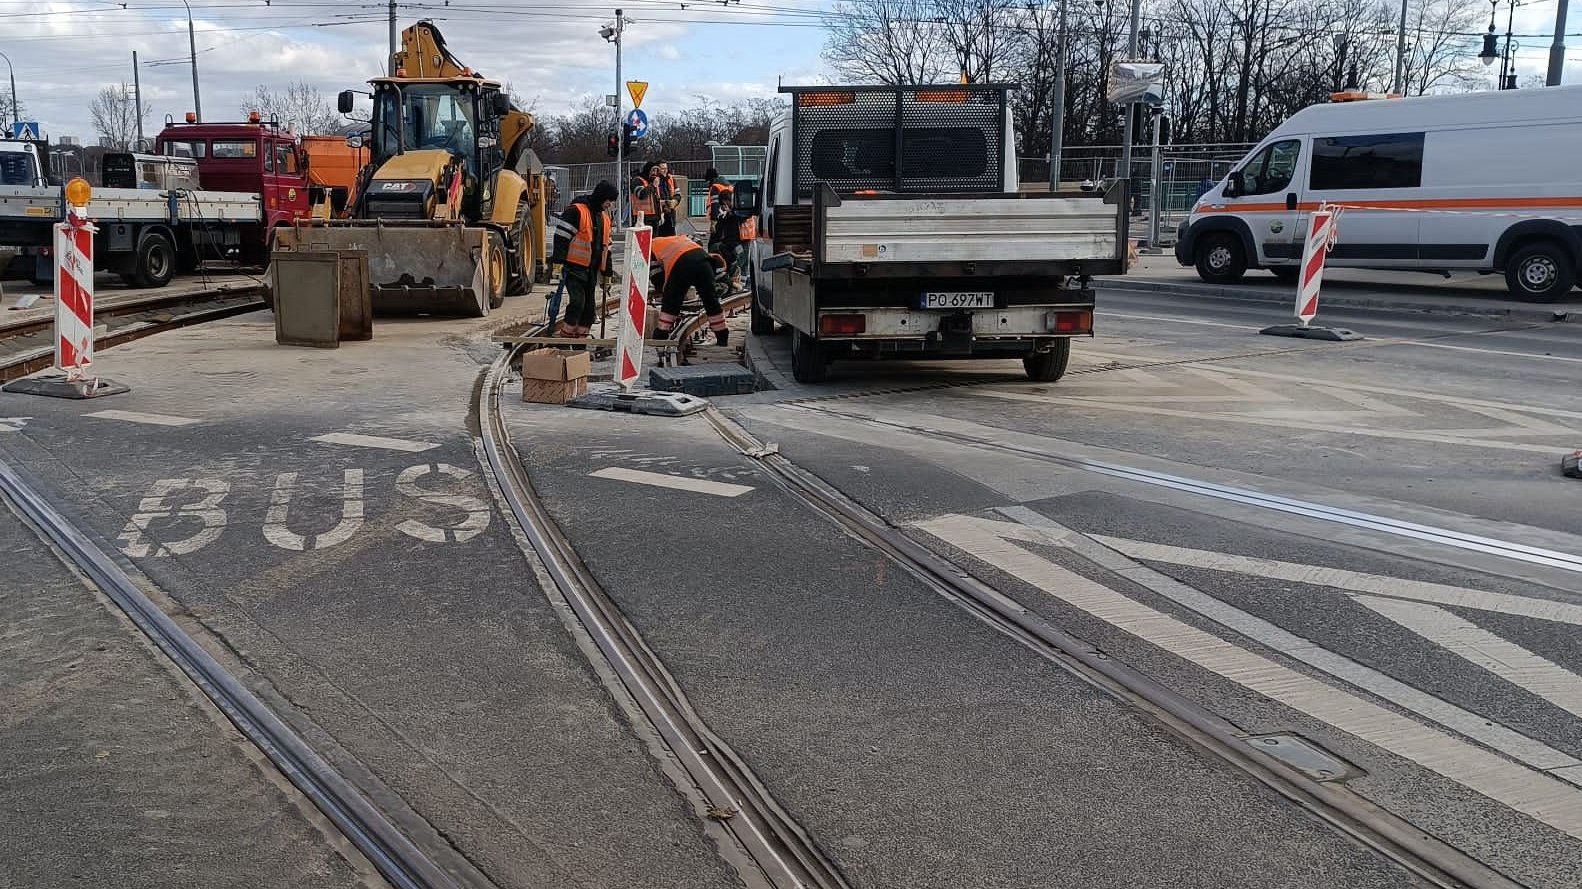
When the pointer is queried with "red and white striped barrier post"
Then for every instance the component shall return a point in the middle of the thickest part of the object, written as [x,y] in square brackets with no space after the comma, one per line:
[74,285]
[634,306]
[1322,228]
[73,307]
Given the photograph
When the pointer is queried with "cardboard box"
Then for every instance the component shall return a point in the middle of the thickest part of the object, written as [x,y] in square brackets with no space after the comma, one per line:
[555,365]
[553,391]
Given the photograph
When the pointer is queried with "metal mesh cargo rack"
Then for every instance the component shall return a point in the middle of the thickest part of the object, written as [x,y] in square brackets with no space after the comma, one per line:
[900,139]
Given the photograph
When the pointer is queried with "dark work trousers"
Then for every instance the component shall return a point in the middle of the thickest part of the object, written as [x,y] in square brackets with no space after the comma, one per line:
[581,307]
[692,270]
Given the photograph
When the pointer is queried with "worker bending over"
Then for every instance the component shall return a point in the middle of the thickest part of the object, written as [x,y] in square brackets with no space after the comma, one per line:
[679,265]
[582,251]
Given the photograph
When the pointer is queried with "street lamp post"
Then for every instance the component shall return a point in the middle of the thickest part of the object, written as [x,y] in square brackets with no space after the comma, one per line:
[1491,50]
[192,51]
[1057,123]
[612,33]
[16,116]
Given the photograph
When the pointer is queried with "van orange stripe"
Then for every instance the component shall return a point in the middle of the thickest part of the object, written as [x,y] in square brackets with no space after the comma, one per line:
[1441,204]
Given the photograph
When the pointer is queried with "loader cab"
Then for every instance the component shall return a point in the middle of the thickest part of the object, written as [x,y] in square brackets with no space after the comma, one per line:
[460,116]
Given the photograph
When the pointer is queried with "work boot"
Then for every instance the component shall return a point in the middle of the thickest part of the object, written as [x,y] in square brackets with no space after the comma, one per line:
[722,337]
[661,333]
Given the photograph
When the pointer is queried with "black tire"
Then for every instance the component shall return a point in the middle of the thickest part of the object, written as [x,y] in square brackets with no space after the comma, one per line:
[1220,258]
[497,289]
[1542,271]
[808,362]
[525,275]
[156,261]
[1047,367]
[759,321]
[1286,274]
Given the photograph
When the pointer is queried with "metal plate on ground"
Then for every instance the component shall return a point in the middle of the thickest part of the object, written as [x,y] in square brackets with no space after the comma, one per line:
[1305,756]
[642,401]
[1330,334]
[60,387]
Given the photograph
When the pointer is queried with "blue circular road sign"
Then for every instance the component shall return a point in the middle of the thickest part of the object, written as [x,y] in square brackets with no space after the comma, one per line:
[638,122]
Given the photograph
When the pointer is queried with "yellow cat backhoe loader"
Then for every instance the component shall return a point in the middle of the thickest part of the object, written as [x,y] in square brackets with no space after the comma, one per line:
[451,205]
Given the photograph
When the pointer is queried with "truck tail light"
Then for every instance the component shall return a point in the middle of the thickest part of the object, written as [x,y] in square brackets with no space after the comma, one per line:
[842,325]
[1071,322]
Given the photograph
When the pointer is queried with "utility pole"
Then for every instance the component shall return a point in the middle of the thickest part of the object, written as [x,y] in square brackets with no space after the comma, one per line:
[1155,193]
[1057,120]
[392,37]
[16,116]
[620,125]
[1399,83]
[1557,50]
[192,51]
[137,96]
[1126,134]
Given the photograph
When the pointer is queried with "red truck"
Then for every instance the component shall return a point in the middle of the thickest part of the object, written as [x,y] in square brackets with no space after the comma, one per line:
[153,222]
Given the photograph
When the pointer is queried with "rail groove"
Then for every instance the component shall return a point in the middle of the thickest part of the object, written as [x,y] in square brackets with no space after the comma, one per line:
[395,856]
[1425,857]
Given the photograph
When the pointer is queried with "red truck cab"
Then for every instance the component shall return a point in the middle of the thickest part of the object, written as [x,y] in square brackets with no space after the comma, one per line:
[256,157]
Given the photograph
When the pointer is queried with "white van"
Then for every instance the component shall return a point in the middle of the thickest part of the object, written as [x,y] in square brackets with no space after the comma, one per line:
[1479,181]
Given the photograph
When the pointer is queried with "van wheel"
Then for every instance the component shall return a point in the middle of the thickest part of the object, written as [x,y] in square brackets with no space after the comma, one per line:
[155,262]
[1047,367]
[1540,271]
[1220,258]
[808,361]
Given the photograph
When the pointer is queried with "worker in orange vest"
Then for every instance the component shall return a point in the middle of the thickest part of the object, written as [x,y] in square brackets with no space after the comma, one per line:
[643,194]
[717,187]
[582,252]
[679,265]
[667,200]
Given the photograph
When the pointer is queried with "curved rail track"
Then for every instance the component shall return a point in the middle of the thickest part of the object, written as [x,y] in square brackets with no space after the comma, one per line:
[26,346]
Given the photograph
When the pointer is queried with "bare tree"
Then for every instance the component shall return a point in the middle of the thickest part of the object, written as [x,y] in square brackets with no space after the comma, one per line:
[6,110]
[299,106]
[891,41]
[116,115]
[1441,57]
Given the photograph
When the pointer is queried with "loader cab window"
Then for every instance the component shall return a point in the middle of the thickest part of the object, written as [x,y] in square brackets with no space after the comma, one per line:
[426,116]
[1271,169]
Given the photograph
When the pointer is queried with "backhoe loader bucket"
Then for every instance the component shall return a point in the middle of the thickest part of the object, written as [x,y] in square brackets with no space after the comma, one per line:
[417,268]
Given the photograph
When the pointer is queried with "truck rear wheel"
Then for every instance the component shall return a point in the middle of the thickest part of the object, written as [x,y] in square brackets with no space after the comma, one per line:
[808,361]
[155,262]
[1047,367]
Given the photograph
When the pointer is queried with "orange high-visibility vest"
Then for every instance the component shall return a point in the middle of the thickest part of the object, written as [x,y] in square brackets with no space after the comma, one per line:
[670,187]
[643,203]
[749,229]
[580,252]
[716,189]
[668,250]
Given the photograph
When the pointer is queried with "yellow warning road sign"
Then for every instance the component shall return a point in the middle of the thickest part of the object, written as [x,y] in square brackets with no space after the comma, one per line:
[638,89]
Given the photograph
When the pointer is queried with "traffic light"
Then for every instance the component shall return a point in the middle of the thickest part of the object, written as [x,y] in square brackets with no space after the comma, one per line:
[612,145]
[626,134]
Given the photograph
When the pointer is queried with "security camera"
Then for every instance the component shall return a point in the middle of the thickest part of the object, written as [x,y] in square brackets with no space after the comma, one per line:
[607,32]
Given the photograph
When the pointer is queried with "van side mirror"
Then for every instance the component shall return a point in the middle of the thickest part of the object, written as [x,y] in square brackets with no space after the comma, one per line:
[1234,185]
[346,101]
[744,197]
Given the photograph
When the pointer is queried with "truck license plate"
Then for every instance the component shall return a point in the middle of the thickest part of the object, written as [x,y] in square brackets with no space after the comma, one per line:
[977,300]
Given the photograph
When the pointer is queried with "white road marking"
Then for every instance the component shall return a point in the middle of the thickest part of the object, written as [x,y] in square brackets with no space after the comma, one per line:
[276,532]
[680,483]
[150,419]
[1488,351]
[1502,657]
[1103,314]
[1536,794]
[1353,581]
[13,424]
[1472,725]
[476,520]
[375,441]
[1401,434]
[134,538]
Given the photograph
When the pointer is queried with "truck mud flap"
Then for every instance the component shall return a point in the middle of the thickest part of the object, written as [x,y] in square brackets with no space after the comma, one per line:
[418,270]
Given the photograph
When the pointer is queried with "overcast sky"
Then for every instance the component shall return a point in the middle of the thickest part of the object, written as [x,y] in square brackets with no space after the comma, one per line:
[549,50]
